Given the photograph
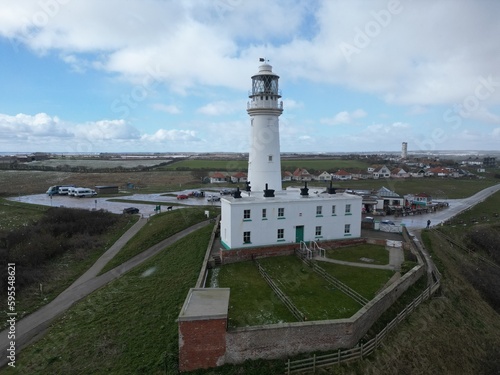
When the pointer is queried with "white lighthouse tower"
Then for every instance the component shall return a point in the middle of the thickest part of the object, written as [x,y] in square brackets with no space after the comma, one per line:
[258,218]
[264,108]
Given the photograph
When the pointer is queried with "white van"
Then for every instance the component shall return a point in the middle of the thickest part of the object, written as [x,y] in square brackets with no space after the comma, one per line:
[64,190]
[84,192]
[71,191]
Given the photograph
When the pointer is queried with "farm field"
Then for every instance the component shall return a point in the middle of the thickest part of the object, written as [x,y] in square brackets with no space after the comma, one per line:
[286,164]
[97,163]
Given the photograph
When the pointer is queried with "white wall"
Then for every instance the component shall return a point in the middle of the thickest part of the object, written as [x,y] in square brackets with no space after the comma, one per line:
[298,212]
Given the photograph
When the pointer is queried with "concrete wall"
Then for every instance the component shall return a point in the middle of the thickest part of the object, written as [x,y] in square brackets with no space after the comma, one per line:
[284,340]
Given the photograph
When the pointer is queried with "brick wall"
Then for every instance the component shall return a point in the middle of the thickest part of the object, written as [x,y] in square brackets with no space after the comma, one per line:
[202,343]
[235,255]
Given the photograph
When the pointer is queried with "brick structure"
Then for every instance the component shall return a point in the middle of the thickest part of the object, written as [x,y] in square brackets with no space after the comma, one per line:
[240,255]
[202,328]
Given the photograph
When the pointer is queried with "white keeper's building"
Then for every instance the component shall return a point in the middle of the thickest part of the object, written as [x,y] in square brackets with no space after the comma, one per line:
[266,215]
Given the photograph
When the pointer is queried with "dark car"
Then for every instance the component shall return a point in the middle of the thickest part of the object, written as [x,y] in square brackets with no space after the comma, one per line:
[131,210]
[387,222]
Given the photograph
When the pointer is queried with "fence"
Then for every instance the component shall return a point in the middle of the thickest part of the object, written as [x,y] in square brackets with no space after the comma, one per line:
[362,349]
[202,277]
[465,249]
[282,296]
[334,281]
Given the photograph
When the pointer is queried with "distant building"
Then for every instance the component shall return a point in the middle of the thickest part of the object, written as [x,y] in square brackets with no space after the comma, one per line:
[404,150]
[489,162]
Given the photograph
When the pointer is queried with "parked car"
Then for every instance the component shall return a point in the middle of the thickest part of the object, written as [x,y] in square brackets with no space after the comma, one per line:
[131,210]
[226,191]
[387,222]
[213,198]
[182,196]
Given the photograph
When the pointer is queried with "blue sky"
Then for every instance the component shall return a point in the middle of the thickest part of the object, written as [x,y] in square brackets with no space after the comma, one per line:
[173,76]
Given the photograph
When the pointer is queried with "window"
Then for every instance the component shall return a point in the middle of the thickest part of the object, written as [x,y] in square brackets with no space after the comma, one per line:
[246,237]
[281,213]
[347,208]
[269,158]
[246,215]
[347,229]
[264,213]
[319,210]
[281,234]
[318,231]
[333,210]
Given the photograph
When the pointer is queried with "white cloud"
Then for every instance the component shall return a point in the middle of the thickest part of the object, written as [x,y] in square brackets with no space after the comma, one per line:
[210,43]
[172,135]
[25,126]
[106,130]
[221,108]
[344,117]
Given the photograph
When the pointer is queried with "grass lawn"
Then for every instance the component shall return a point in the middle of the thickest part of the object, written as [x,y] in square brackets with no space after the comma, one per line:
[252,301]
[127,327]
[60,272]
[377,253]
[210,165]
[158,228]
[15,214]
[312,294]
[365,281]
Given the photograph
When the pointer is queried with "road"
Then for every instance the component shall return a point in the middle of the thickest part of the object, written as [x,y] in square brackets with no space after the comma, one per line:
[115,207]
[455,207]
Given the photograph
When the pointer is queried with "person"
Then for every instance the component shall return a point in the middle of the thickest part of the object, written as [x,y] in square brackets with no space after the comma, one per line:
[428,224]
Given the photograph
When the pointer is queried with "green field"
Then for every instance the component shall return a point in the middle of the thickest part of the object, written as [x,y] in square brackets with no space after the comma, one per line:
[126,327]
[158,228]
[15,214]
[320,165]
[286,164]
[377,253]
[211,165]
[252,301]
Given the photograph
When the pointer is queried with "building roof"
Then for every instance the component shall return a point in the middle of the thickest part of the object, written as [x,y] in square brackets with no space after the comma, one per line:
[218,175]
[239,174]
[341,172]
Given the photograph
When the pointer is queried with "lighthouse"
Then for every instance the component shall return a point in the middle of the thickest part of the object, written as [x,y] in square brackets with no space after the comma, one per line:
[264,109]
[258,218]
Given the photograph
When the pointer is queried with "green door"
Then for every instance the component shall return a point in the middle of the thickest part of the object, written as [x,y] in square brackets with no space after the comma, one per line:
[299,233]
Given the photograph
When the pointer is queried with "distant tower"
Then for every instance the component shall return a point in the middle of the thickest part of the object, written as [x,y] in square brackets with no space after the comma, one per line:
[404,151]
[264,108]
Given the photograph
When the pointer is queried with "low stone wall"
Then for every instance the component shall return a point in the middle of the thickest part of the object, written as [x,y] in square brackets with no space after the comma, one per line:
[285,340]
[234,255]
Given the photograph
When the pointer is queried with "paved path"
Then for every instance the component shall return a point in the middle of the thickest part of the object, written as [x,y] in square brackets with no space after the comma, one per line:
[32,327]
[396,257]
[456,207]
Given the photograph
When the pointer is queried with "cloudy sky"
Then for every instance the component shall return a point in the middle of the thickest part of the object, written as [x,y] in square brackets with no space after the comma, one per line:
[171,76]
